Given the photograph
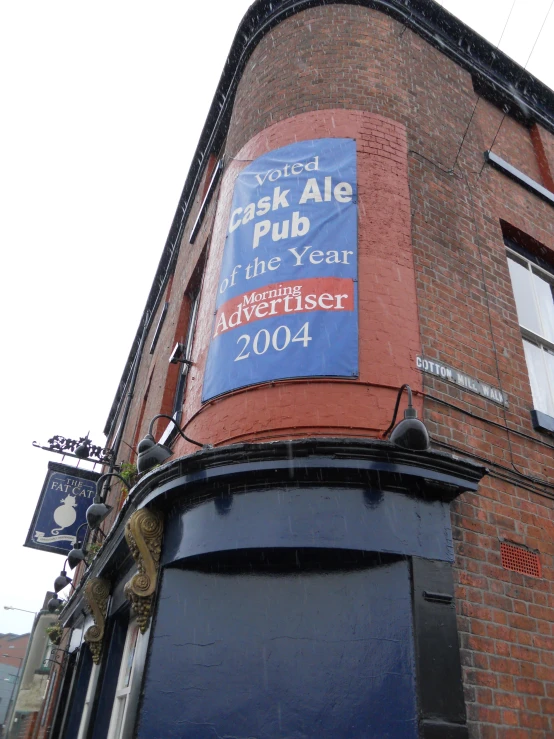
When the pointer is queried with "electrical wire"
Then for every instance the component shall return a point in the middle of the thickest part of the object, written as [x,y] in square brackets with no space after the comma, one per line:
[505,24]
[518,80]
[450,170]
[509,478]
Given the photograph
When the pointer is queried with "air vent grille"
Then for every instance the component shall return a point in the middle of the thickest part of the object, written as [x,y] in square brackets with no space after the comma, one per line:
[520,560]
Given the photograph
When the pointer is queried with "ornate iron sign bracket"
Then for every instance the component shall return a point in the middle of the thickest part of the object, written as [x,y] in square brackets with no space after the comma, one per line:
[67,447]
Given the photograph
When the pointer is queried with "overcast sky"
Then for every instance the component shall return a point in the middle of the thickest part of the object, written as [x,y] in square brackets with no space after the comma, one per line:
[103,104]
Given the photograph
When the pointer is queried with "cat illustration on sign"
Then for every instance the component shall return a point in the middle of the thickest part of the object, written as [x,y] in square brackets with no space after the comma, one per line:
[65,514]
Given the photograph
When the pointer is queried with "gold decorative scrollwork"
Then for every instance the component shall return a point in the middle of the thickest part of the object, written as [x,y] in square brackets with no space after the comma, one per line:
[97,592]
[143,532]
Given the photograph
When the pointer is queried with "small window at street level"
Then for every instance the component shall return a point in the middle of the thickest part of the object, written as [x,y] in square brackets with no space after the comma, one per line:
[533,287]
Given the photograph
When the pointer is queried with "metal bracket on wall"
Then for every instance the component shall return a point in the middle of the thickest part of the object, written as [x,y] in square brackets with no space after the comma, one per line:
[144,532]
[97,592]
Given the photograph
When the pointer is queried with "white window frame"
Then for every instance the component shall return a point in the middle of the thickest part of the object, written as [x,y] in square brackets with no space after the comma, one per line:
[544,344]
[180,391]
[89,699]
[127,692]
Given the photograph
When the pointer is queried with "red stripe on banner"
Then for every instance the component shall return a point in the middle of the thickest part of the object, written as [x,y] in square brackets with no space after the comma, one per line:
[282,298]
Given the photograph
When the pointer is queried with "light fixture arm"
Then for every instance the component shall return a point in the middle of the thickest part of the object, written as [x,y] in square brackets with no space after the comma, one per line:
[99,509]
[170,418]
[98,496]
[409,390]
[77,532]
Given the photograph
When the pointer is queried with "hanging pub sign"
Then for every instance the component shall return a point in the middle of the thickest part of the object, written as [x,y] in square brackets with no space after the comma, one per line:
[287,293]
[66,494]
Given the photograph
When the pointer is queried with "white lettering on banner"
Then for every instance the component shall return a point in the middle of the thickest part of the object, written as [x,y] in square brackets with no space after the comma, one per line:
[280,199]
[332,256]
[342,191]
[300,226]
[323,294]
[278,306]
[296,169]
[302,335]
[76,489]
[289,262]
[438,369]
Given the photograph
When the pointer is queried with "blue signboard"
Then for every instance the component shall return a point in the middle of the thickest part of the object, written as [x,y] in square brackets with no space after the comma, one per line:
[287,293]
[66,494]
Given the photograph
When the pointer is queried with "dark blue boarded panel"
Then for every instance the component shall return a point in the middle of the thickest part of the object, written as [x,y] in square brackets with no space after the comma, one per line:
[295,654]
[329,517]
[79,694]
[114,643]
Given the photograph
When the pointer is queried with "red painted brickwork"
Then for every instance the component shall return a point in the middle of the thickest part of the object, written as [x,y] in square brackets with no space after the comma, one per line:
[544,152]
[387,304]
[357,72]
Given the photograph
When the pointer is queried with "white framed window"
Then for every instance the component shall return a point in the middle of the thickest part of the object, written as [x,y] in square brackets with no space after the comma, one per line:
[534,295]
[193,298]
[128,683]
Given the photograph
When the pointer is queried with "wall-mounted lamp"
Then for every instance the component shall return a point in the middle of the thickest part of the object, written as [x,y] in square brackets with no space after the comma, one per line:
[62,581]
[98,511]
[54,603]
[410,433]
[77,554]
[152,454]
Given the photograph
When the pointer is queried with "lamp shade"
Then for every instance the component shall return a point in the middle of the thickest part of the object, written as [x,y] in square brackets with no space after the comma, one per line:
[151,454]
[75,556]
[97,512]
[61,581]
[54,603]
[411,433]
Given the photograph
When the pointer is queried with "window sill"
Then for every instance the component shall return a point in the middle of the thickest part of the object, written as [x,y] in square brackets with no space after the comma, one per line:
[514,174]
[542,421]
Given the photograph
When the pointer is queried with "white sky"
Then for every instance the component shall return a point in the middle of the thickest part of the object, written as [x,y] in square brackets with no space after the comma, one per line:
[103,105]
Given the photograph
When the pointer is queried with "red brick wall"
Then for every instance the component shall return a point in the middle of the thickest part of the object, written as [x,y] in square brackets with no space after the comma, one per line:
[15,646]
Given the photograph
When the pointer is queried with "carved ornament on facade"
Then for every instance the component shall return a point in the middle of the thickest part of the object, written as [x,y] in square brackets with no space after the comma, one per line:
[143,532]
[97,592]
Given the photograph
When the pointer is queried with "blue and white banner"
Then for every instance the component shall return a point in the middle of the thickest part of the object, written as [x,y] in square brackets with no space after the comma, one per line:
[287,303]
[66,494]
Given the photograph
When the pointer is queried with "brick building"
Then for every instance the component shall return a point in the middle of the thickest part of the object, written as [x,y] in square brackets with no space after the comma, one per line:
[305,573]
[12,654]
[13,648]
[33,690]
